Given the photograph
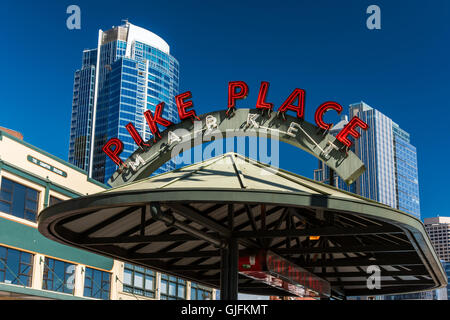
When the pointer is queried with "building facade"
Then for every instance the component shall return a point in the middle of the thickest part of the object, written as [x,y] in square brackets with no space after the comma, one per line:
[447,271]
[130,71]
[438,229]
[34,267]
[391,175]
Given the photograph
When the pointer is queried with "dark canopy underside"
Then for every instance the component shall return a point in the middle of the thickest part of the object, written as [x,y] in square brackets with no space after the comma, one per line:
[198,213]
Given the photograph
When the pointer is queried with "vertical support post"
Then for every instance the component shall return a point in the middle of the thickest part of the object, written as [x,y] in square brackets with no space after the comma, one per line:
[224,274]
[234,274]
[143,211]
[263,217]
[229,272]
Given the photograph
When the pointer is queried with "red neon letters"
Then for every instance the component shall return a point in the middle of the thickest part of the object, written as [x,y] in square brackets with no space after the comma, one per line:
[183,105]
[233,94]
[114,153]
[260,103]
[236,90]
[288,104]
[136,136]
[153,120]
[349,129]
[324,107]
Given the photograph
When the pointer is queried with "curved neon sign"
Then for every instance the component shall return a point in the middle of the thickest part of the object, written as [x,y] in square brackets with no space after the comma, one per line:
[334,151]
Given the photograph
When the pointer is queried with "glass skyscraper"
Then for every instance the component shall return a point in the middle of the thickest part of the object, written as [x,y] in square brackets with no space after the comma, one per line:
[130,71]
[391,175]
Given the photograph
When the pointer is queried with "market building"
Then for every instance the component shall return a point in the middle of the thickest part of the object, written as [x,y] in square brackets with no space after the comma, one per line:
[34,267]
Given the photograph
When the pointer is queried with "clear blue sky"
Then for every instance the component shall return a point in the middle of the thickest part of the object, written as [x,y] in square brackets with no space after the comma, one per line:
[321,46]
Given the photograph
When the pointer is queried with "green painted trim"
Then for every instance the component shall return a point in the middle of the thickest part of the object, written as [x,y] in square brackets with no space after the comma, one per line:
[63,162]
[38,180]
[39,293]
[21,236]
[26,144]
[47,166]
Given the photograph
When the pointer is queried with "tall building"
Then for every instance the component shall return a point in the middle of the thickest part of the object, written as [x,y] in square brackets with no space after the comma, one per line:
[438,229]
[130,71]
[391,175]
[447,271]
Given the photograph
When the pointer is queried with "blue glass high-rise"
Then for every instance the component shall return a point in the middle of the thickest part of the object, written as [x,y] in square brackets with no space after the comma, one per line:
[391,175]
[406,172]
[130,71]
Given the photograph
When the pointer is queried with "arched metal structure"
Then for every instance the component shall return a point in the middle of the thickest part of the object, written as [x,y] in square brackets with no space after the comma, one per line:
[244,122]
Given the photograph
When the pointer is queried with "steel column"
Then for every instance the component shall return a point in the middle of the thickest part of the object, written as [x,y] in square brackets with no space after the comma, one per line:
[229,275]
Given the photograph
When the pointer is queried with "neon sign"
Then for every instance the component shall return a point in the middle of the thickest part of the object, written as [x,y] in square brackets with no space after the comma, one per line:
[236,90]
[334,151]
[278,272]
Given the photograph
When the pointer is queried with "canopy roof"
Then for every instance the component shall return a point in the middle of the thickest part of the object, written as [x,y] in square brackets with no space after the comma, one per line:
[176,223]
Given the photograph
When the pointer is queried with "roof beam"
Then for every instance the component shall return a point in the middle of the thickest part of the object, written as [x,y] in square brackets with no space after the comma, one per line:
[180,254]
[388,290]
[109,221]
[325,231]
[140,239]
[343,249]
[384,283]
[177,268]
[196,216]
[365,261]
[416,273]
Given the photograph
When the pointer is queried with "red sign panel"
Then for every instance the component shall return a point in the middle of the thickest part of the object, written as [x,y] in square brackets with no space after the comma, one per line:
[278,272]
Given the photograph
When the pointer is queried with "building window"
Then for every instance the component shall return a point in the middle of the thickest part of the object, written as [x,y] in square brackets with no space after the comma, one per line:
[16,266]
[172,288]
[139,280]
[58,276]
[18,200]
[199,292]
[96,284]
